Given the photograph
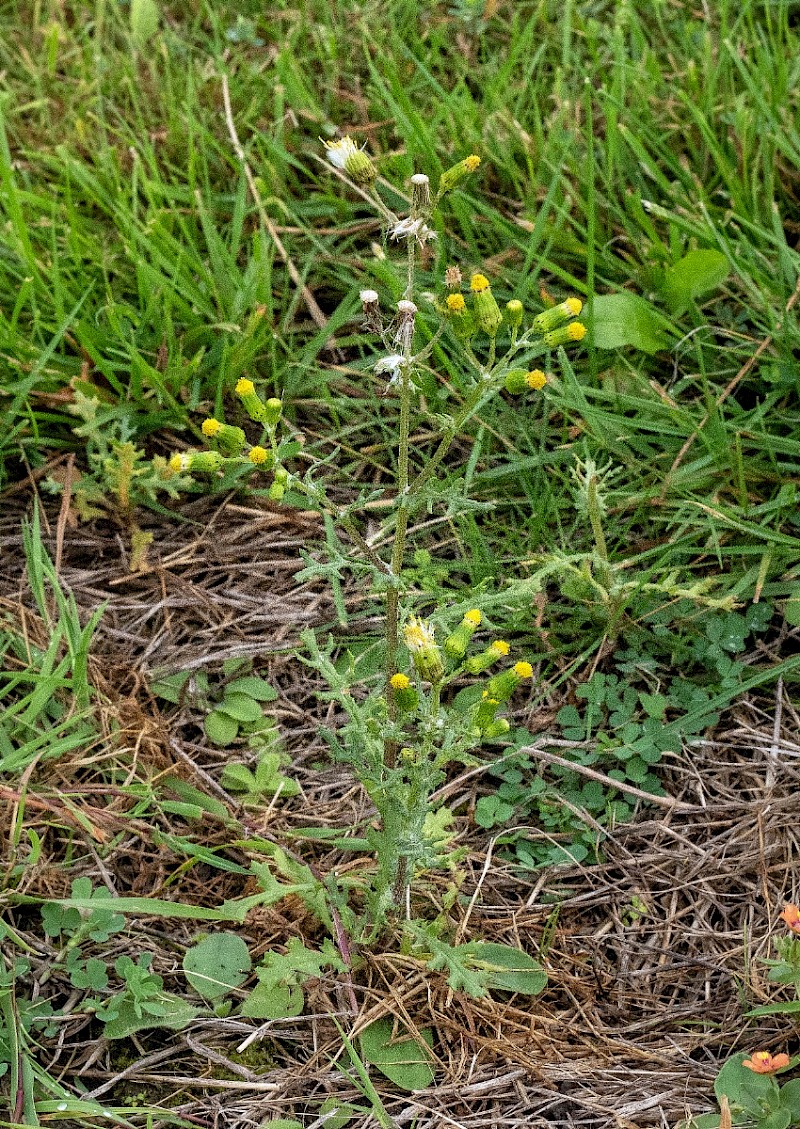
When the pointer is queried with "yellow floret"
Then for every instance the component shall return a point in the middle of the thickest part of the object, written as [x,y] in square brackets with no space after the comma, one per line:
[574,306]
[472,161]
[455,303]
[258,455]
[479,282]
[536,379]
[244,386]
[211,427]
[177,462]
[524,670]
[400,682]
[473,617]
[500,647]
[576,331]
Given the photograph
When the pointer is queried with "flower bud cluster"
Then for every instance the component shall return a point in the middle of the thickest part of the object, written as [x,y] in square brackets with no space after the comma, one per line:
[231,442]
[428,660]
[554,325]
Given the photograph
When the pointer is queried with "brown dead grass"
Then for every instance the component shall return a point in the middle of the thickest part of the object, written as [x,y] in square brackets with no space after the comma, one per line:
[654,956]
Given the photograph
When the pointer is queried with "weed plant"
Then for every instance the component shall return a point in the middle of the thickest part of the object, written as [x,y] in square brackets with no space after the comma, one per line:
[630,533]
[401,738]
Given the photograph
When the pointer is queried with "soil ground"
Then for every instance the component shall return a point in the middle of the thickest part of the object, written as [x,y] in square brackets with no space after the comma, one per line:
[654,955]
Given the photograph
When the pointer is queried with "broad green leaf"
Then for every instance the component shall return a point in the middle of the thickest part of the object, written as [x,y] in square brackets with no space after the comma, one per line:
[170,687]
[239,706]
[510,969]
[703,1121]
[625,319]
[791,609]
[692,275]
[237,778]
[221,728]
[175,1015]
[253,687]
[779,1118]
[404,1061]
[743,1087]
[281,1123]
[272,1000]
[145,18]
[217,964]
[338,1113]
[790,1097]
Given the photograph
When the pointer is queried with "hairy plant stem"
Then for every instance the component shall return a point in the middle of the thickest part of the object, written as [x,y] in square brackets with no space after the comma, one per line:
[401,526]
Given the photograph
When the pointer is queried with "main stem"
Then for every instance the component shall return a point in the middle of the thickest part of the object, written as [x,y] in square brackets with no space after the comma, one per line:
[401,526]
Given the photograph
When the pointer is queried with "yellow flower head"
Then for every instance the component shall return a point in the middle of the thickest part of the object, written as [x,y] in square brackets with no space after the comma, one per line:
[258,455]
[473,618]
[418,635]
[500,647]
[576,330]
[478,283]
[472,161]
[524,670]
[573,306]
[179,462]
[455,303]
[399,682]
[244,387]
[536,379]
[211,427]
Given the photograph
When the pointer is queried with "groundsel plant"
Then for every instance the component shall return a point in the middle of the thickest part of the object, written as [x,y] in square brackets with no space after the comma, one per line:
[400,737]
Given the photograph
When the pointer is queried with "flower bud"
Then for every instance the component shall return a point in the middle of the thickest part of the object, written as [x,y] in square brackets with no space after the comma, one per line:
[404,693]
[456,645]
[208,461]
[514,313]
[557,315]
[345,154]
[459,317]
[272,411]
[230,439]
[487,311]
[503,685]
[476,664]
[456,173]
[246,391]
[565,335]
[418,636]
[487,708]
[515,382]
[420,193]
[499,727]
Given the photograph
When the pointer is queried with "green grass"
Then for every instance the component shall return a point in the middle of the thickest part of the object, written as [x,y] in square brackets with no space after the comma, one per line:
[615,139]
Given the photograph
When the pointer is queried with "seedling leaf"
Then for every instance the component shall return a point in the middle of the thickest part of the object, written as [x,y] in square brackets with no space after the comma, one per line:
[404,1061]
[217,965]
